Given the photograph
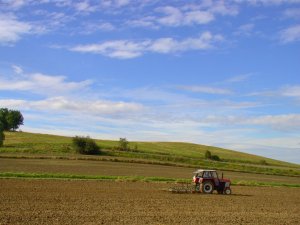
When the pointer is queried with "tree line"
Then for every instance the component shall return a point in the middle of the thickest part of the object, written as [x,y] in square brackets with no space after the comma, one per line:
[10,120]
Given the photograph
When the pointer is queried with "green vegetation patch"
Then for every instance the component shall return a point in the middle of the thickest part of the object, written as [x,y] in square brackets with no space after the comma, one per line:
[163,153]
[132,179]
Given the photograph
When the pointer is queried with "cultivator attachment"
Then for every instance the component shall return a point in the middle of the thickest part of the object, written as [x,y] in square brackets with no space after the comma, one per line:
[183,187]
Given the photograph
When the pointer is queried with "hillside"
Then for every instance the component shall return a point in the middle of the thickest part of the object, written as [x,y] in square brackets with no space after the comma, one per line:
[22,144]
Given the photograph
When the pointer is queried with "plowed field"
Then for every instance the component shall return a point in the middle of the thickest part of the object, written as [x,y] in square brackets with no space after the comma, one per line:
[98,202]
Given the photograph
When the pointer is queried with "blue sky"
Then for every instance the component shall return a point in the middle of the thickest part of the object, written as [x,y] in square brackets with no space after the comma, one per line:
[222,73]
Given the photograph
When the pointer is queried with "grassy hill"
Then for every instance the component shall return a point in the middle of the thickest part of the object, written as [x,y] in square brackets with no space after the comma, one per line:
[22,144]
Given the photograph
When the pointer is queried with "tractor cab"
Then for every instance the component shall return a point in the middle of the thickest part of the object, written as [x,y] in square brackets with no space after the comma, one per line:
[206,181]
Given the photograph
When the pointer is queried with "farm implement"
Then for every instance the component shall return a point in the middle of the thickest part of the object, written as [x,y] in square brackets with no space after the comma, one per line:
[204,181]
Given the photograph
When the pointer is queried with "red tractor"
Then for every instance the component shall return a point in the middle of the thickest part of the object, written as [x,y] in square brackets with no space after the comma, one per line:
[206,181]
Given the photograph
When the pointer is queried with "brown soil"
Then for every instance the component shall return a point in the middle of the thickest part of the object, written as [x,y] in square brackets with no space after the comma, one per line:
[97,202]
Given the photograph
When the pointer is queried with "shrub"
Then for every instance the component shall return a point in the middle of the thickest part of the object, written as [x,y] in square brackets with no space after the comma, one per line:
[208,154]
[123,144]
[263,162]
[215,158]
[85,145]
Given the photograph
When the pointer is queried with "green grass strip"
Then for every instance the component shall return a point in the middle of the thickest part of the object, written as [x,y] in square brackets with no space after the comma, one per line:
[263,184]
[85,177]
[132,179]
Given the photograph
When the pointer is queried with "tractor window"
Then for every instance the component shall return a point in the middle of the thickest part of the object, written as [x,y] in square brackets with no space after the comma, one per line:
[206,174]
[214,174]
[199,174]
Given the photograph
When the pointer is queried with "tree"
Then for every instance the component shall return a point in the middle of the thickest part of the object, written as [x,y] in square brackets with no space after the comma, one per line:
[3,118]
[85,145]
[208,154]
[11,119]
[14,119]
[2,136]
[123,144]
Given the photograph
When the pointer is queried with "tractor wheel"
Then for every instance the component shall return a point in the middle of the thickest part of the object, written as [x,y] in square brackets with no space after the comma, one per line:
[227,191]
[207,187]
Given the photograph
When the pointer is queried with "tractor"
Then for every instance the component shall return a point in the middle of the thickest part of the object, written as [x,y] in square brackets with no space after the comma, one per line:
[206,181]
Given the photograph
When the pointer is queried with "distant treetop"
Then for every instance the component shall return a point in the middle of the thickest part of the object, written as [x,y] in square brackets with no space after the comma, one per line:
[11,119]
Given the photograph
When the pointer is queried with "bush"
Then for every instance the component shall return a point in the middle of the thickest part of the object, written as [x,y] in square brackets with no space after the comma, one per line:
[263,162]
[208,154]
[123,144]
[215,158]
[85,145]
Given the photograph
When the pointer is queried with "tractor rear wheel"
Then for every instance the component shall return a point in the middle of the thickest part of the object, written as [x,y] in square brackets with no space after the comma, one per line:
[207,187]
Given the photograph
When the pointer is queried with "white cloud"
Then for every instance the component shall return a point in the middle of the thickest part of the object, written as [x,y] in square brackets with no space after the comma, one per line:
[13,4]
[292,13]
[239,78]
[148,22]
[115,3]
[223,8]
[290,34]
[285,91]
[61,104]
[206,90]
[268,2]
[290,91]
[11,30]
[84,6]
[125,49]
[122,49]
[40,83]
[279,122]
[175,17]
[283,122]
[17,69]
[245,29]
[89,28]
[121,3]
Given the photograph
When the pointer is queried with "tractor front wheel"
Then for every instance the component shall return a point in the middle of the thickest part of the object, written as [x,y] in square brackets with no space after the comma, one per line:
[227,191]
[207,187]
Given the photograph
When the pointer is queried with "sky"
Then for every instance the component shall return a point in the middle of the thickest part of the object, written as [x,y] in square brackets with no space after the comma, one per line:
[220,73]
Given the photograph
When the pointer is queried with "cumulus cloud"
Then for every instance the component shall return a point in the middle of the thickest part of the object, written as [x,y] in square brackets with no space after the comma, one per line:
[125,49]
[11,29]
[290,34]
[61,104]
[40,83]
[84,6]
[175,17]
